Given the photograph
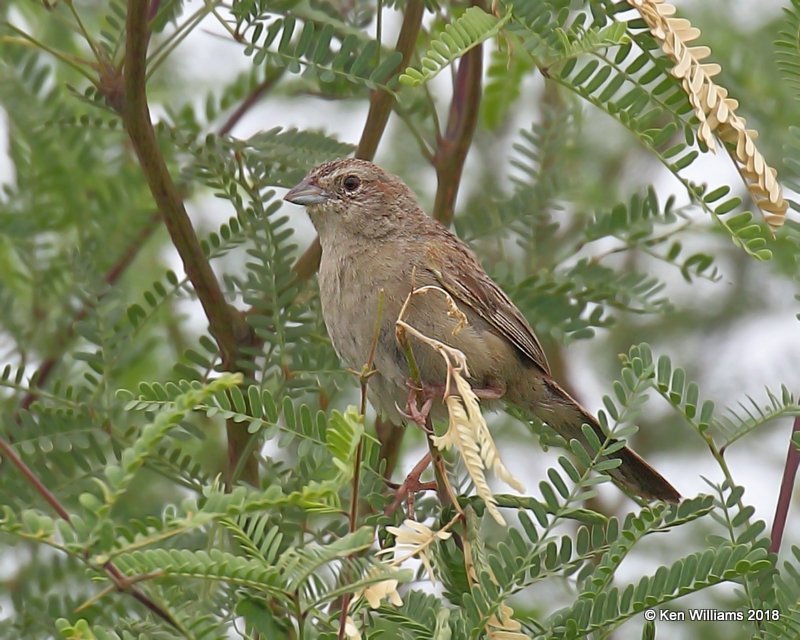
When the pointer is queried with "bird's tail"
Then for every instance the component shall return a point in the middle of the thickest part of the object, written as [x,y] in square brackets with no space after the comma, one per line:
[561,412]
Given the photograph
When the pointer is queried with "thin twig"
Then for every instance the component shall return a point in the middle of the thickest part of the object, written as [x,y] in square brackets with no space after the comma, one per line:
[164,49]
[403,490]
[84,32]
[78,64]
[454,145]
[121,582]
[443,489]
[785,495]
[366,373]
[112,587]
[8,452]
[343,617]
[111,277]
[454,359]
[248,103]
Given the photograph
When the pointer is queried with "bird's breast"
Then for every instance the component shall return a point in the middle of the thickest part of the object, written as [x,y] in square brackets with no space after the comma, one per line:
[350,285]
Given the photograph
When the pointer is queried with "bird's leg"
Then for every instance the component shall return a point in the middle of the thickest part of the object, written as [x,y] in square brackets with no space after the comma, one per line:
[413,411]
[410,486]
[433,392]
[490,392]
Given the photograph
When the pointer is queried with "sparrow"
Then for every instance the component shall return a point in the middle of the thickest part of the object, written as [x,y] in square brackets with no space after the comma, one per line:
[377,242]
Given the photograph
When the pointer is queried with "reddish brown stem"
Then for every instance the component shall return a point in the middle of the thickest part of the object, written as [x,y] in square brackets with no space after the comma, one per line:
[410,485]
[343,618]
[785,495]
[381,102]
[454,145]
[136,114]
[249,102]
[380,106]
[9,453]
[227,325]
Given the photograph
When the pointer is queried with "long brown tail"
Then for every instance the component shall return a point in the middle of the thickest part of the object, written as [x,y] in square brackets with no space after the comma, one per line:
[561,412]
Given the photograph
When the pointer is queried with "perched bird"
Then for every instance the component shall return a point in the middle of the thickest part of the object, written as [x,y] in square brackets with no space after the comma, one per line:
[375,237]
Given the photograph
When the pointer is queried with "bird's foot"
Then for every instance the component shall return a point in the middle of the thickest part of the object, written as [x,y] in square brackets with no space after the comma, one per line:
[410,486]
[431,393]
[414,412]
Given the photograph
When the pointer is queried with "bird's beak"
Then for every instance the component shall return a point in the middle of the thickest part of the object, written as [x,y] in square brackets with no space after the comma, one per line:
[306,193]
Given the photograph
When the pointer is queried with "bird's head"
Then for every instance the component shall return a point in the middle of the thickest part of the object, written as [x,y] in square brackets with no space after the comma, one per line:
[353,196]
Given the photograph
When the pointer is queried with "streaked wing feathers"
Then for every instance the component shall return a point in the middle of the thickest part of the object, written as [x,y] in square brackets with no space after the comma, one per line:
[467,282]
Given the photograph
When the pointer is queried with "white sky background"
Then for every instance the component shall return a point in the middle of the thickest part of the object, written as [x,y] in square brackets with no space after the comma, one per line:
[742,358]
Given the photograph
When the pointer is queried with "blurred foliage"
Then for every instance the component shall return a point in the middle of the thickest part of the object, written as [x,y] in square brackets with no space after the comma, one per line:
[585,195]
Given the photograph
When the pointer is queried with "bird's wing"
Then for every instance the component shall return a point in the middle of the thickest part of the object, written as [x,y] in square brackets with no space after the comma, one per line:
[463,278]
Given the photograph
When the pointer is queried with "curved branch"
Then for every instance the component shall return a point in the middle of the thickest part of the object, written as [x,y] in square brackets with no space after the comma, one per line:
[136,114]
[250,101]
[227,324]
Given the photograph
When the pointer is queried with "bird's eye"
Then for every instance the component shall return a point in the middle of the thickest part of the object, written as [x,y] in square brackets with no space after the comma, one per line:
[351,183]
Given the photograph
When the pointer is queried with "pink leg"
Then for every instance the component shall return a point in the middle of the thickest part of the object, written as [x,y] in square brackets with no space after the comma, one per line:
[413,411]
[490,393]
[431,393]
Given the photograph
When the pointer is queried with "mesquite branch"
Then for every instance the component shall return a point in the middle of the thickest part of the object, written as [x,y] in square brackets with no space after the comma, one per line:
[227,325]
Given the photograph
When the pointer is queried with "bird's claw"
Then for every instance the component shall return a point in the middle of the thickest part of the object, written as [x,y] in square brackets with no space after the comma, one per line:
[414,412]
[429,394]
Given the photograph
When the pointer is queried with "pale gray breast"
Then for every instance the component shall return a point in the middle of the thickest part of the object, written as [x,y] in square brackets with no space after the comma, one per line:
[339,295]
[350,283]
